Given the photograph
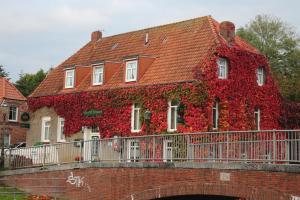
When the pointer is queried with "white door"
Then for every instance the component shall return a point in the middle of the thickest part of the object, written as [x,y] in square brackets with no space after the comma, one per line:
[91,145]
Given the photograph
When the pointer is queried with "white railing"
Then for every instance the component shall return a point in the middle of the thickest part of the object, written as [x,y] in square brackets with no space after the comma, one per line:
[272,146]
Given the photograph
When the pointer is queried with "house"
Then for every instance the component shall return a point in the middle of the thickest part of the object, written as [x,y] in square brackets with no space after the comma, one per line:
[195,75]
[13,113]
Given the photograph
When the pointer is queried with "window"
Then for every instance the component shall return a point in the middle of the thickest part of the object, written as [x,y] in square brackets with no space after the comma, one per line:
[135,118]
[131,71]
[69,80]
[13,114]
[46,129]
[95,146]
[133,154]
[172,115]
[261,77]
[6,139]
[215,114]
[60,130]
[222,68]
[98,75]
[257,118]
[168,150]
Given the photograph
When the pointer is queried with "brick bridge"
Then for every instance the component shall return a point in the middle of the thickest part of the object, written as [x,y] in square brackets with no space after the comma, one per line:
[135,181]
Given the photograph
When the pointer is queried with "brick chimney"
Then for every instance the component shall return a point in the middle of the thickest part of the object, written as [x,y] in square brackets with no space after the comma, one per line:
[227,31]
[96,35]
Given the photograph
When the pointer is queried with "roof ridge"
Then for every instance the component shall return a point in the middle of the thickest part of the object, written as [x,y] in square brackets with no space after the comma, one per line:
[156,27]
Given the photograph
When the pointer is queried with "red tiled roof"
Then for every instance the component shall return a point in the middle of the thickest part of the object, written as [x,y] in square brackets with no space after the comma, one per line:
[177,49]
[9,91]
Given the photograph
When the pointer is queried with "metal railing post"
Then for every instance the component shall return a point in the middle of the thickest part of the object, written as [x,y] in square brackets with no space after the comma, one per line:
[9,158]
[227,147]
[274,146]
[153,148]
[44,158]
[80,156]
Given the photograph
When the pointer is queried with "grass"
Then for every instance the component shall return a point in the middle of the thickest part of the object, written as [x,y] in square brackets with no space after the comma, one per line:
[9,193]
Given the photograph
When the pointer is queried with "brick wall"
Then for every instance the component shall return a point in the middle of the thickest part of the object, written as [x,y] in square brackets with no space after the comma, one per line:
[16,132]
[150,183]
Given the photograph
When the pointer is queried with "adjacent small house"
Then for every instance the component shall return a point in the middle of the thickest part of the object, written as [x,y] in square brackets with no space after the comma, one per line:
[13,112]
[191,76]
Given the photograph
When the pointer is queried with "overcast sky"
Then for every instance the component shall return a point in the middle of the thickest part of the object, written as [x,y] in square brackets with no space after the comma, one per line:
[38,34]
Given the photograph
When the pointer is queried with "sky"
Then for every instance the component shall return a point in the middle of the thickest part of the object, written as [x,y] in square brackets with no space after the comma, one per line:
[39,34]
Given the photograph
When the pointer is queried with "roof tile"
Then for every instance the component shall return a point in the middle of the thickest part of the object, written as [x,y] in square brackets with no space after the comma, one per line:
[177,49]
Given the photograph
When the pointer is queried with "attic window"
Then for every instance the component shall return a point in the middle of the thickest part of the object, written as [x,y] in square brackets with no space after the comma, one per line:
[69,79]
[98,75]
[131,71]
[222,68]
[261,76]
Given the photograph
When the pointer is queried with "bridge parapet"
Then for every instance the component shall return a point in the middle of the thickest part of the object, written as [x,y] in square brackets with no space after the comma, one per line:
[268,146]
[100,180]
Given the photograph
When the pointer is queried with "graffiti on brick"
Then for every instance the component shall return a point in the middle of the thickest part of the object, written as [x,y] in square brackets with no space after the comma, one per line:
[78,181]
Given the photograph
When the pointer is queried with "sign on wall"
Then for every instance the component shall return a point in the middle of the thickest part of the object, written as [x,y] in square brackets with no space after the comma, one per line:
[92,113]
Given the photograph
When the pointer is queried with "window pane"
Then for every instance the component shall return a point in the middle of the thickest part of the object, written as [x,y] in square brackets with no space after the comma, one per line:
[70,78]
[98,75]
[257,119]
[215,115]
[173,117]
[47,130]
[136,119]
[131,71]
[62,136]
[95,145]
[222,68]
[12,113]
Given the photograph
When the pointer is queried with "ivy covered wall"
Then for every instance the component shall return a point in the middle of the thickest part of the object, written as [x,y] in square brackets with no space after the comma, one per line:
[239,95]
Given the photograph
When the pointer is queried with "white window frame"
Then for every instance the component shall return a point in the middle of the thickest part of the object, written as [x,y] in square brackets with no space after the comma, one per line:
[166,149]
[9,138]
[260,75]
[43,132]
[60,134]
[257,113]
[69,74]
[17,111]
[131,68]
[215,119]
[134,108]
[97,75]
[170,107]
[95,144]
[222,68]
[133,149]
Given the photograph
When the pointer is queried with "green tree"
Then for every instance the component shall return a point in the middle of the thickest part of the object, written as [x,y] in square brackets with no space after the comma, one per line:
[28,82]
[279,42]
[3,73]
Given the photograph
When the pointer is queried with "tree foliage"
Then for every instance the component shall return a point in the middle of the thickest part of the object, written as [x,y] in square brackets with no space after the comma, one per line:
[279,42]
[3,73]
[28,82]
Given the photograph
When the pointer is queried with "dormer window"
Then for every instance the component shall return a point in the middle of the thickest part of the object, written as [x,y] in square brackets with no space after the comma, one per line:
[131,71]
[261,76]
[222,68]
[98,75]
[69,79]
